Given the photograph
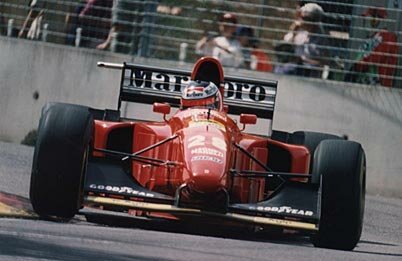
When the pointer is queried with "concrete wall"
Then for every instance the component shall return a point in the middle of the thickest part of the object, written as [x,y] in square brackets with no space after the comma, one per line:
[57,74]
[367,114]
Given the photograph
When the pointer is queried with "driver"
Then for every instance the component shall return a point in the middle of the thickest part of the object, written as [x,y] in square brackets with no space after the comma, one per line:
[201,94]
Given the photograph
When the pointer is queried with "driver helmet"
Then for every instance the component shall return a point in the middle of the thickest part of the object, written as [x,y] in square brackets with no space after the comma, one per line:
[201,94]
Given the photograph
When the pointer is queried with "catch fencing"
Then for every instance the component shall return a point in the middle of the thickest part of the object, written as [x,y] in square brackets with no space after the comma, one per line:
[353,31]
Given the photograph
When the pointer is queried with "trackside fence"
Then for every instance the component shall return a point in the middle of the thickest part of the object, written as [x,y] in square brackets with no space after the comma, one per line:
[169,29]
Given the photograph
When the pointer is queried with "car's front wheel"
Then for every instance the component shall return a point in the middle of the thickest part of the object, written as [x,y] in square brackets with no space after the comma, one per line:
[342,167]
[60,158]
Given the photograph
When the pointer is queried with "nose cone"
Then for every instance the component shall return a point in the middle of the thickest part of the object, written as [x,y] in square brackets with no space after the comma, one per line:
[206,182]
[205,148]
[207,167]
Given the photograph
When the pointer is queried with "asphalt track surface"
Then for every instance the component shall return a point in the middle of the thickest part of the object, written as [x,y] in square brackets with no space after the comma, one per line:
[24,237]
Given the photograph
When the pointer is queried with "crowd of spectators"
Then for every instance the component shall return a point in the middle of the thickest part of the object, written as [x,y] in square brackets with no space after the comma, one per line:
[308,39]
[305,50]
[302,50]
[235,46]
[377,57]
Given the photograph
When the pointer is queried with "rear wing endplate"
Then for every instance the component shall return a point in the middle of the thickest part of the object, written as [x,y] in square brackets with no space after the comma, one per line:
[149,84]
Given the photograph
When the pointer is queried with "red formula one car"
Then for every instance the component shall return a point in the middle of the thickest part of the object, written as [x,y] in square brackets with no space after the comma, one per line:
[198,162]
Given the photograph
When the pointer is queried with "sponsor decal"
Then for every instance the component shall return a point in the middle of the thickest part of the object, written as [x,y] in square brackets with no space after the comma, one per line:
[199,140]
[194,92]
[273,221]
[207,123]
[206,158]
[285,209]
[126,190]
[200,112]
[138,78]
[207,151]
[239,91]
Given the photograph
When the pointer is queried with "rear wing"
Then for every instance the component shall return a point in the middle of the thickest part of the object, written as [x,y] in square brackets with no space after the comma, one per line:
[149,84]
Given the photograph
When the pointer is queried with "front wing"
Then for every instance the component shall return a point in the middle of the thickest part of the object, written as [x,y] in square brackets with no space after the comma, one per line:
[295,206]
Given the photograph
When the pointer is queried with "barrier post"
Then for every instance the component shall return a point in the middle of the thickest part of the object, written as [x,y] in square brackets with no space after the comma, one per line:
[183,52]
[45,32]
[78,32]
[10,27]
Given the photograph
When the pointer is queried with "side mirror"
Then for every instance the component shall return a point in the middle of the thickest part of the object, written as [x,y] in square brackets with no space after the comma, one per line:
[247,119]
[162,108]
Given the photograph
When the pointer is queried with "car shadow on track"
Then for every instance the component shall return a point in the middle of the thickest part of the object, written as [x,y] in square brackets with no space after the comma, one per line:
[30,248]
[378,253]
[379,244]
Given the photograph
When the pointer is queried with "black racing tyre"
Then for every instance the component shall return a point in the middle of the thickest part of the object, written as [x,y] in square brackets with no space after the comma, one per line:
[310,140]
[60,159]
[342,165]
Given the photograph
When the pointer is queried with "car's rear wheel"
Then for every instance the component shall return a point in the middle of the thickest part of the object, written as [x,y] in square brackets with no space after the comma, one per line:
[342,166]
[60,159]
[310,140]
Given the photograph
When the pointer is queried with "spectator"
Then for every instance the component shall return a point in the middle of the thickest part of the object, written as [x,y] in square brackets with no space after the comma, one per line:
[287,61]
[378,56]
[33,21]
[94,19]
[72,22]
[309,40]
[254,58]
[224,47]
[125,28]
